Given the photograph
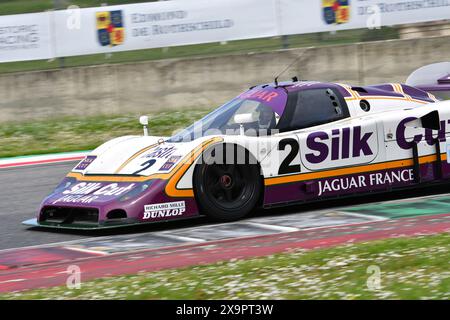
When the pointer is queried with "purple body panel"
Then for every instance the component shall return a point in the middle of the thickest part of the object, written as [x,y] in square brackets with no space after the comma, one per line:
[441,91]
[416,93]
[385,90]
[442,87]
[444,80]
[293,87]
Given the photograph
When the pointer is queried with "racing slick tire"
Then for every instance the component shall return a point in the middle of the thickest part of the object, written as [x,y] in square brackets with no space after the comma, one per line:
[227,191]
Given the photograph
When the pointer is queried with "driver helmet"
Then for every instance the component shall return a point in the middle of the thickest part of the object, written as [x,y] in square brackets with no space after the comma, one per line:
[266,116]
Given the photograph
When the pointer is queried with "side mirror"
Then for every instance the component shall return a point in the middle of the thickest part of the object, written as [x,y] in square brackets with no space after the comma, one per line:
[241,119]
[143,120]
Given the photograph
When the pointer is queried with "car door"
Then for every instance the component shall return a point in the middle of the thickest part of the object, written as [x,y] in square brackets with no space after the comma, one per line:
[338,141]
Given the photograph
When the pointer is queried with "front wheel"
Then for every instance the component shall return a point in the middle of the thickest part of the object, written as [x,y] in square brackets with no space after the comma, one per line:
[227,191]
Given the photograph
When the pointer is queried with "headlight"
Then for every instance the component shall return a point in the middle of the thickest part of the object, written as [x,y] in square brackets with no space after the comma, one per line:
[136,191]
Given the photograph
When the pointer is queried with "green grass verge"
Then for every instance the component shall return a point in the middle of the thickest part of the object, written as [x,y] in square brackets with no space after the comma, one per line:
[74,133]
[411,268]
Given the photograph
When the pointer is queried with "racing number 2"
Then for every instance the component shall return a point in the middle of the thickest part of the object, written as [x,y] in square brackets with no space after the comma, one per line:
[286,166]
[146,165]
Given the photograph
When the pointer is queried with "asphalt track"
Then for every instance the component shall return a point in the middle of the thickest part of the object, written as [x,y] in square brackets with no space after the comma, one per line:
[36,257]
[23,188]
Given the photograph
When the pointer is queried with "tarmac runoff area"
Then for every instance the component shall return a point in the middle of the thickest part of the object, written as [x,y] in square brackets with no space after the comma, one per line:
[32,259]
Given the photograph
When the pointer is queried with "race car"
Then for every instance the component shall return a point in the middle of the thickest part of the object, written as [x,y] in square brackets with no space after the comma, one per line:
[275,144]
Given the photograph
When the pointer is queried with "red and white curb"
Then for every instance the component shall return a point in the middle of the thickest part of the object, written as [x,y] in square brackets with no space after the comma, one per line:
[42,159]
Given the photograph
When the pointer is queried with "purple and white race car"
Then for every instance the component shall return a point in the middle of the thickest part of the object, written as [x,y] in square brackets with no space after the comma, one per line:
[275,144]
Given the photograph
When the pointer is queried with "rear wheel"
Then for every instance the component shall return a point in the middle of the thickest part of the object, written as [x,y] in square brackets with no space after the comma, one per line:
[227,190]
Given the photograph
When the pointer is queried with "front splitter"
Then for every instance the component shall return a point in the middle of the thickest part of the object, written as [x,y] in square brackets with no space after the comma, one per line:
[34,223]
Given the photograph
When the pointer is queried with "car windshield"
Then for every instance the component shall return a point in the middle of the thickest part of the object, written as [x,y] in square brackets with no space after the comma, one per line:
[263,109]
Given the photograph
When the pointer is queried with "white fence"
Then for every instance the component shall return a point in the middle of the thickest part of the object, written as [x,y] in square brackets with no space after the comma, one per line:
[75,31]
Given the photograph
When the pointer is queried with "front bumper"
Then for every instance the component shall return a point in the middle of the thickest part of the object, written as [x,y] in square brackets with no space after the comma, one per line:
[62,211]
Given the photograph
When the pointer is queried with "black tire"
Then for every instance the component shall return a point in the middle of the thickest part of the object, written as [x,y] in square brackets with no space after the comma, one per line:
[227,191]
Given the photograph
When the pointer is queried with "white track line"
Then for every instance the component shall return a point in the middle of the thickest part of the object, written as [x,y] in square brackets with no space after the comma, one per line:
[273,227]
[13,280]
[185,239]
[100,253]
[365,216]
[338,225]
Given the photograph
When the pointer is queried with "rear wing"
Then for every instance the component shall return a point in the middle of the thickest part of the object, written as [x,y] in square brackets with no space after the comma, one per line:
[433,78]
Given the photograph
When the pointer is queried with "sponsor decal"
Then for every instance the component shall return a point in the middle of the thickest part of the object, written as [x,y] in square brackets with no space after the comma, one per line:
[87,192]
[362,181]
[260,94]
[427,134]
[164,210]
[339,148]
[336,11]
[170,163]
[76,199]
[97,188]
[161,152]
[85,163]
[110,28]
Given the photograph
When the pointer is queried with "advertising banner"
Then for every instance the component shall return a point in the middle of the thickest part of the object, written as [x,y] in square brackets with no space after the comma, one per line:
[306,16]
[161,24]
[25,37]
[72,32]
